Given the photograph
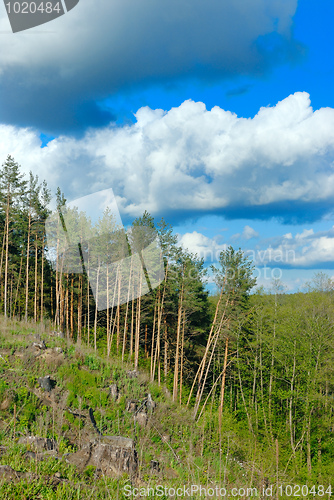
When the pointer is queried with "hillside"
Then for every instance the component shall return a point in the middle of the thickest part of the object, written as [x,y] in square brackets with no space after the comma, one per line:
[170,449]
[51,436]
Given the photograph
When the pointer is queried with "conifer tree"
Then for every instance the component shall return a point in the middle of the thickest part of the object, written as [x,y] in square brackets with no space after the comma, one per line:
[12,190]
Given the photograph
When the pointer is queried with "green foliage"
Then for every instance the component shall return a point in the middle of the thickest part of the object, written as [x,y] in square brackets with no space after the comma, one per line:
[92,362]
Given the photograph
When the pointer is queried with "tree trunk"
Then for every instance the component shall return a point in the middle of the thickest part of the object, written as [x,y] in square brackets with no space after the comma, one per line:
[177,353]
[223,382]
[6,261]
[42,281]
[36,280]
[165,350]
[18,285]
[80,307]
[152,344]
[182,354]
[96,306]
[72,306]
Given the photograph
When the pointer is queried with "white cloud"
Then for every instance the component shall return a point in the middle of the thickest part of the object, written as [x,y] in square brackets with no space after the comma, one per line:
[207,248]
[192,159]
[247,234]
[306,249]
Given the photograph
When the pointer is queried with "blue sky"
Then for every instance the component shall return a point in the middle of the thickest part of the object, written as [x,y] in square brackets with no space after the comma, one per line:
[217,116]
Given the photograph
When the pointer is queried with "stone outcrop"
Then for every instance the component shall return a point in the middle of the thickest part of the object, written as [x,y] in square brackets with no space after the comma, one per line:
[132,374]
[36,443]
[150,404]
[46,383]
[132,405]
[113,455]
[7,474]
[114,392]
[39,345]
[141,418]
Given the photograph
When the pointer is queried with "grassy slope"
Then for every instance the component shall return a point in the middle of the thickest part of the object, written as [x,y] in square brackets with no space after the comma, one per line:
[191,456]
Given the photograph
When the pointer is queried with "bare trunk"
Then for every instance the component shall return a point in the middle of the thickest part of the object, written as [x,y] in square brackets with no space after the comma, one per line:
[132,325]
[18,285]
[137,334]
[165,350]
[36,280]
[80,307]
[3,250]
[67,308]
[72,306]
[126,315]
[6,260]
[88,305]
[223,382]
[182,354]
[42,282]
[152,345]
[96,306]
[177,353]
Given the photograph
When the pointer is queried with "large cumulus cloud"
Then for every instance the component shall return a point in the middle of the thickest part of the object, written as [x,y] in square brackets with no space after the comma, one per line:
[191,161]
[51,76]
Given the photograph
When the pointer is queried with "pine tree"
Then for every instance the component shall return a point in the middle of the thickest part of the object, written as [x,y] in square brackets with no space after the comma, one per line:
[12,191]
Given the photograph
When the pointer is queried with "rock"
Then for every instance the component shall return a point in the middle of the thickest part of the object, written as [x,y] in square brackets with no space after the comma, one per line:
[39,345]
[39,457]
[141,418]
[46,383]
[80,458]
[132,374]
[58,350]
[113,455]
[36,443]
[5,404]
[114,392]
[132,405]
[150,404]
[9,474]
[155,466]
[32,455]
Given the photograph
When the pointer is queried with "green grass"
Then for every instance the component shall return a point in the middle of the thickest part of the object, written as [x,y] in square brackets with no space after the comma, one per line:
[191,456]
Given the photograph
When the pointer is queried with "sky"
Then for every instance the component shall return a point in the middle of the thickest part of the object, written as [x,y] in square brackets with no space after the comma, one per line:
[216,115]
